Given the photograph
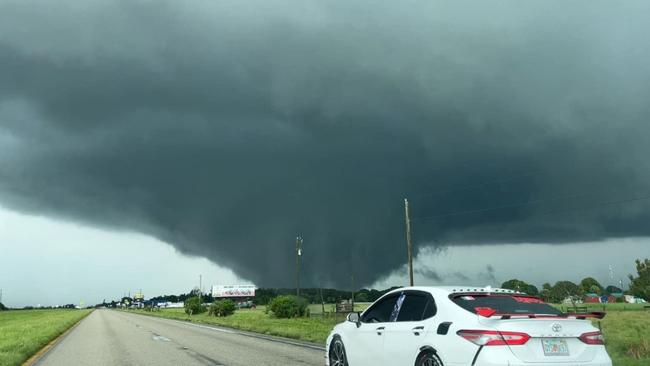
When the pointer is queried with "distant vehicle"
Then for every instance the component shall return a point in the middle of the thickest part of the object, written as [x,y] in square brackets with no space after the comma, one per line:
[245,305]
[478,326]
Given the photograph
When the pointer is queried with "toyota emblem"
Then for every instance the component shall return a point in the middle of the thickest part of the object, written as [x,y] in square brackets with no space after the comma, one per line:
[557,328]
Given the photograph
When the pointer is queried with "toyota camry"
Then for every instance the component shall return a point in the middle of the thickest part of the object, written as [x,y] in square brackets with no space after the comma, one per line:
[435,326]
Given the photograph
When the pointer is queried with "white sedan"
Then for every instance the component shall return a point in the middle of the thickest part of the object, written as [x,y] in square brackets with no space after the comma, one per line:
[436,326]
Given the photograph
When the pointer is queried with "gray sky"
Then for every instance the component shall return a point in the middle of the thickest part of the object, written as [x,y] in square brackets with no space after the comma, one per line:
[51,262]
[227,128]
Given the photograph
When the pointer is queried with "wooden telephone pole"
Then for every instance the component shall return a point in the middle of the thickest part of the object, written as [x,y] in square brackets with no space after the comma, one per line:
[409,245]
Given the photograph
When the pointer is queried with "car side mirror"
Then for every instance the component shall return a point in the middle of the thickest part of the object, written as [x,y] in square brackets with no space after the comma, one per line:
[355,318]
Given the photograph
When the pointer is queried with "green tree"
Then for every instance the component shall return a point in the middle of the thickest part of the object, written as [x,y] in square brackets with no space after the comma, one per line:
[2,307]
[193,306]
[613,290]
[361,297]
[289,306]
[564,289]
[519,285]
[590,285]
[640,286]
[222,308]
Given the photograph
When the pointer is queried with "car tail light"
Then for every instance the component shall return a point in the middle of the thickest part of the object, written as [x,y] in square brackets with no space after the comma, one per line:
[592,338]
[494,338]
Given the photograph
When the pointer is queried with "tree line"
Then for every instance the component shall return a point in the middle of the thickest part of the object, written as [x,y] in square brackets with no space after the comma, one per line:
[639,286]
[558,292]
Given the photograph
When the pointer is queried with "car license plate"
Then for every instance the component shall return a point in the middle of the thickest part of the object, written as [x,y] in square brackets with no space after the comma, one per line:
[555,347]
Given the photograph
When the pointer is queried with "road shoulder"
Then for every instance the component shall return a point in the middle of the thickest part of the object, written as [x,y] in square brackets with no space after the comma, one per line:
[35,358]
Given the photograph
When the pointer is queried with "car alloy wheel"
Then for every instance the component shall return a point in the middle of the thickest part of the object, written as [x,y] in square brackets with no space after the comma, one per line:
[337,353]
[428,359]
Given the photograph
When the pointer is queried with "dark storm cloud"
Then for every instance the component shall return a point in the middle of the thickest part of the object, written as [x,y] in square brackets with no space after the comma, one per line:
[428,274]
[489,274]
[460,276]
[227,128]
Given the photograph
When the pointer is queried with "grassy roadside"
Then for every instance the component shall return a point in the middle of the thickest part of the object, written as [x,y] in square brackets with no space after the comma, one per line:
[627,337]
[314,329]
[25,332]
[306,329]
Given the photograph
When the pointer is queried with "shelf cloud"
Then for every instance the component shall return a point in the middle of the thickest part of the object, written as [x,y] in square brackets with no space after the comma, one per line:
[228,128]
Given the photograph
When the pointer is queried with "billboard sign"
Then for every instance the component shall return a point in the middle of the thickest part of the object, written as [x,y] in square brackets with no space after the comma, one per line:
[233,291]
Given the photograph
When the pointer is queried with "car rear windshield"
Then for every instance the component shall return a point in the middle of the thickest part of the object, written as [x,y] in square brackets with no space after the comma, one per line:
[505,304]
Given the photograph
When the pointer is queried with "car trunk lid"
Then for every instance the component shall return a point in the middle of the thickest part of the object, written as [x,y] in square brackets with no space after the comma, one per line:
[555,340]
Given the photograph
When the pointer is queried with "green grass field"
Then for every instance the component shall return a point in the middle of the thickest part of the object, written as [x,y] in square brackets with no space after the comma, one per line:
[627,337]
[626,327]
[25,332]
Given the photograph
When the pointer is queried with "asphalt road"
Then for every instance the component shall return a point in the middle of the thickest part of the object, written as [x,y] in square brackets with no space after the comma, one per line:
[108,337]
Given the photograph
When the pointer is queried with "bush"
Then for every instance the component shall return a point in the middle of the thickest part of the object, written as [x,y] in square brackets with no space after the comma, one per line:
[289,306]
[193,306]
[222,308]
[2,307]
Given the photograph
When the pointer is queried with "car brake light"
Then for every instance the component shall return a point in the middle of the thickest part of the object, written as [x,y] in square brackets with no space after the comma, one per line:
[592,338]
[494,338]
[486,312]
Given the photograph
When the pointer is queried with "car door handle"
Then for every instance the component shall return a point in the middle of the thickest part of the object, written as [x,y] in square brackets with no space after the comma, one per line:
[417,330]
[380,330]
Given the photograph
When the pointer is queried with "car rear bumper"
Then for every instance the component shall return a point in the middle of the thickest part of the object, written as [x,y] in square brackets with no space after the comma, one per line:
[502,356]
[519,363]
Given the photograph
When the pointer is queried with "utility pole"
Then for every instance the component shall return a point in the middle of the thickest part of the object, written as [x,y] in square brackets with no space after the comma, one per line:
[352,277]
[409,245]
[322,302]
[298,255]
[200,288]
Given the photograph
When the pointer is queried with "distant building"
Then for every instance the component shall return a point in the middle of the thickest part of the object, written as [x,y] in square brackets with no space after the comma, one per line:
[633,299]
[591,298]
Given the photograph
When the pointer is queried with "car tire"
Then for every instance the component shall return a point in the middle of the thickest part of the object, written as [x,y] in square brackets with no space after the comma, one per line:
[337,354]
[428,358]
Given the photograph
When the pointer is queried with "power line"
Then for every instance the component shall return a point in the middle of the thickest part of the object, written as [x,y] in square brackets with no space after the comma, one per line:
[518,204]
[477,185]
[515,177]
[598,204]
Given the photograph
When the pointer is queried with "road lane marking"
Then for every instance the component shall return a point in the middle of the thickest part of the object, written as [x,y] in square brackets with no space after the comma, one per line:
[160,338]
[242,333]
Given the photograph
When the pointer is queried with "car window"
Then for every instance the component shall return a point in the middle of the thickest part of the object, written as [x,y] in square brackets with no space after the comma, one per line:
[416,307]
[505,304]
[431,309]
[380,312]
